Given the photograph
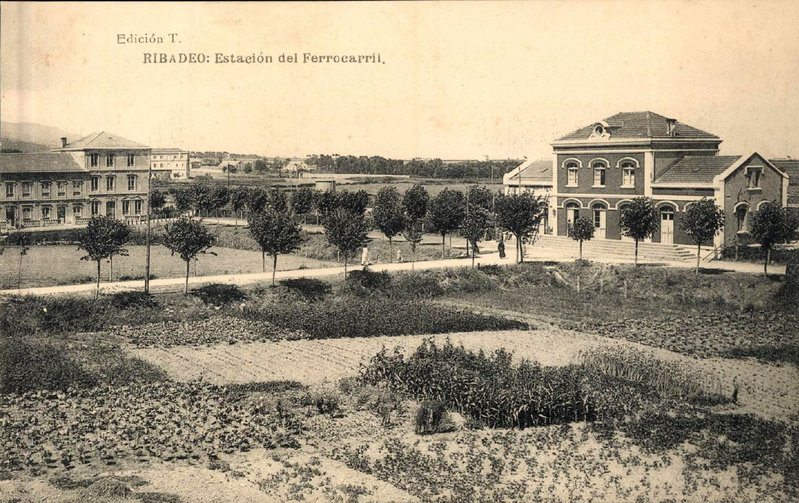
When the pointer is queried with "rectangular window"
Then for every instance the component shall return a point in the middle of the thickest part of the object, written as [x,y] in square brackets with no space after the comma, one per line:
[125,207]
[94,159]
[109,160]
[629,177]
[137,207]
[10,189]
[27,213]
[26,189]
[572,181]
[45,189]
[599,177]
[131,182]
[95,183]
[131,159]
[95,208]
[109,183]
[77,210]
[755,174]
[62,189]
[45,213]
[77,187]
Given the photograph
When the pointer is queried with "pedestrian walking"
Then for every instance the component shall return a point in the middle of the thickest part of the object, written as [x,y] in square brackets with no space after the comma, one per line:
[365,256]
[399,255]
[501,248]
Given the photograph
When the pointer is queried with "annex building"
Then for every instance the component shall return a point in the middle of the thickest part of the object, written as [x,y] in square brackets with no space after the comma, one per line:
[597,169]
[100,174]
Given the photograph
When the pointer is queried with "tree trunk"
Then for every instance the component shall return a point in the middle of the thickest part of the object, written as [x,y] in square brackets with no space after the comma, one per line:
[186,284]
[413,257]
[473,247]
[111,268]
[274,268]
[581,249]
[263,261]
[636,253]
[765,264]
[521,248]
[19,269]
[698,252]
[390,252]
[345,266]
[443,244]
[97,291]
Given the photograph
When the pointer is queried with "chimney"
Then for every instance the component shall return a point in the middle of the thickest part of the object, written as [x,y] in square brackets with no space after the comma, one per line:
[63,141]
[670,127]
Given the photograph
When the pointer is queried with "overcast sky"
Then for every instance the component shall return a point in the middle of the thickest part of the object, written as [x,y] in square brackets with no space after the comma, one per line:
[459,81]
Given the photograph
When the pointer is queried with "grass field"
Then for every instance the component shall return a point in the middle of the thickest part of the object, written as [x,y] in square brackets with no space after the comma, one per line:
[61,264]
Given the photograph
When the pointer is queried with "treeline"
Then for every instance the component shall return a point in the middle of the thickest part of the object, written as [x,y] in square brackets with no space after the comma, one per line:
[426,168]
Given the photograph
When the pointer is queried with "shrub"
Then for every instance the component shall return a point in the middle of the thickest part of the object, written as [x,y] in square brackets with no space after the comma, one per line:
[416,286]
[51,316]
[361,283]
[32,366]
[432,417]
[309,288]
[128,300]
[326,402]
[219,294]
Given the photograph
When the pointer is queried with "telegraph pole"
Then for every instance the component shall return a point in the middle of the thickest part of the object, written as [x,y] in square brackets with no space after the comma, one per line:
[147,235]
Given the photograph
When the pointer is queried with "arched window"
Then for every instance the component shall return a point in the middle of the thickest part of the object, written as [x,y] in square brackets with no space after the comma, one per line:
[572,169]
[742,217]
[572,213]
[599,173]
[599,211]
[628,174]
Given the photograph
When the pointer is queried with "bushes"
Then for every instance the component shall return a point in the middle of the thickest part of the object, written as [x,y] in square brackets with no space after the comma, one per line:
[54,315]
[432,417]
[375,316]
[308,288]
[219,294]
[28,366]
[364,282]
[129,300]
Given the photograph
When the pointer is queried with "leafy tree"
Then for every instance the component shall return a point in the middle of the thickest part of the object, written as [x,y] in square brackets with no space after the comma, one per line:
[302,201]
[201,197]
[326,202]
[188,238]
[346,231]
[354,202]
[639,220]
[276,233]
[183,198]
[477,195]
[772,224]
[581,230]
[102,238]
[157,200]
[474,227]
[388,215]
[447,211]
[412,232]
[238,200]
[278,200]
[23,240]
[702,221]
[520,214]
[415,202]
[218,198]
[257,199]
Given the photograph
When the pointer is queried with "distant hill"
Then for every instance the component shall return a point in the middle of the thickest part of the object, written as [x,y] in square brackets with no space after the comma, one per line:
[30,137]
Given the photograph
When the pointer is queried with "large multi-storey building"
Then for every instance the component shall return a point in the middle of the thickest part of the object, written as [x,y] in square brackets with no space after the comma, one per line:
[170,163]
[598,169]
[100,174]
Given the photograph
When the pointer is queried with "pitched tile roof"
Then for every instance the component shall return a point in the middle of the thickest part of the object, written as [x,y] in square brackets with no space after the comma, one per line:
[102,139]
[533,171]
[39,162]
[791,168]
[639,125]
[696,169]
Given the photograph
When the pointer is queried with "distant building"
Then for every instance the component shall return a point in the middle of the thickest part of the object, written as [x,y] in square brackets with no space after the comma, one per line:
[170,163]
[599,168]
[227,164]
[100,174]
[536,177]
[325,185]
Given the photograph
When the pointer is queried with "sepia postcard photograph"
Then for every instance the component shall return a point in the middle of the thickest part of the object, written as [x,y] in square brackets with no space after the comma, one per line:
[445,252]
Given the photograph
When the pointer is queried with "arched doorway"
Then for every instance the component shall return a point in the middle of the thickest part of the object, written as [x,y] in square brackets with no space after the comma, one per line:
[572,213]
[599,211]
[667,225]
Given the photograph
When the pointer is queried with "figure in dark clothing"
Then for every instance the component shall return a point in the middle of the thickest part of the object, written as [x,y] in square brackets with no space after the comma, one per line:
[501,249]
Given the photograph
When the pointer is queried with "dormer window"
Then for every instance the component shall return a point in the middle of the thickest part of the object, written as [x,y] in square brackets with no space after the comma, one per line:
[599,130]
[671,125]
[755,174]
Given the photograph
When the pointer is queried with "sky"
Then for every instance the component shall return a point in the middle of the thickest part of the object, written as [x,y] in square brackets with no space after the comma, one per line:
[458,80]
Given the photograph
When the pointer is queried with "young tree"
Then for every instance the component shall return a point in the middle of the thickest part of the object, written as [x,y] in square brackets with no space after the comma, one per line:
[346,231]
[100,239]
[388,215]
[326,202]
[581,230]
[447,211]
[520,214]
[702,221]
[302,201]
[157,200]
[477,195]
[276,233]
[639,220]
[474,227]
[277,200]
[257,200]
[354,202]
[188,238]
[238,200]
[412,232]
[183,199]
[23,240]
[415,201]
[772,224]
[218,198]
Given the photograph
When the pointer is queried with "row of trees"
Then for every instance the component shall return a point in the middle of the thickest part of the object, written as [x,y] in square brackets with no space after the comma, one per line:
[427,168]
[702,221]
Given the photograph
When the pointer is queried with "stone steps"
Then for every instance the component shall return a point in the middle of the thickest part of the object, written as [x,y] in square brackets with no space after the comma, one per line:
[612,248]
